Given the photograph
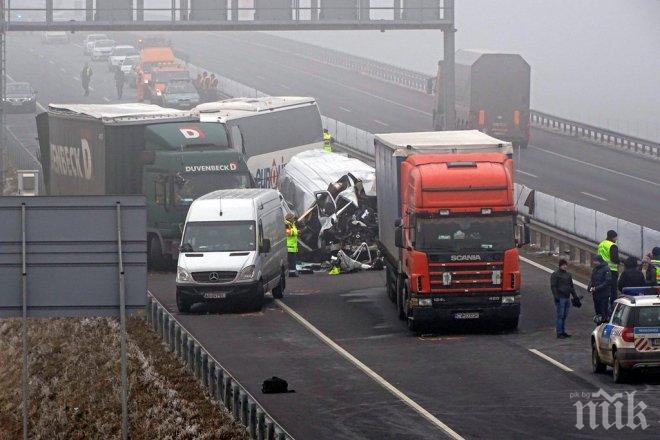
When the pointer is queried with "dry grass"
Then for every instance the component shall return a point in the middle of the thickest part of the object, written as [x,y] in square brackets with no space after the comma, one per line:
[74,385]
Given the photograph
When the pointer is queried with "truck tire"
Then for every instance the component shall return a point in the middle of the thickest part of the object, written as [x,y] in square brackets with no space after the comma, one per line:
[182,304]
[399,298]
[511,324]
[155,253]
[278,291]
[390,286]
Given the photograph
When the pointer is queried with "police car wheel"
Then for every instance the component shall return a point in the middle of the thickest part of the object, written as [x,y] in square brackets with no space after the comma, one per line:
[596,365]
[619,373]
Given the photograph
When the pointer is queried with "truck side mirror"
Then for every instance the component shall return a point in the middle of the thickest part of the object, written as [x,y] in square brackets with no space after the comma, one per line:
[265,246]
[398,236]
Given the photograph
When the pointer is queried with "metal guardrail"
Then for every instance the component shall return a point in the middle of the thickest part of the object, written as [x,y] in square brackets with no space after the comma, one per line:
[600,136]
[213,377]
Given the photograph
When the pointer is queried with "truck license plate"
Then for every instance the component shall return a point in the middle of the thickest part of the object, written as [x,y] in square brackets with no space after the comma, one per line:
[469,315]
[215,295]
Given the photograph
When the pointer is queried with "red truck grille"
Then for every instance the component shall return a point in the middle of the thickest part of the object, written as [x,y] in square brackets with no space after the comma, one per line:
[465,277]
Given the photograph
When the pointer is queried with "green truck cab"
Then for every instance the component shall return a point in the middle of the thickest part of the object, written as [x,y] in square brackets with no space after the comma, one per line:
[165,154]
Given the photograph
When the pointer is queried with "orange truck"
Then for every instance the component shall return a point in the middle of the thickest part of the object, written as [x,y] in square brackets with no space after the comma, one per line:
[151,58]
[447,227]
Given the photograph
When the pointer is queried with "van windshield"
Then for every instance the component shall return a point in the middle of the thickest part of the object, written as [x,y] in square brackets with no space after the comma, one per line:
[237,236]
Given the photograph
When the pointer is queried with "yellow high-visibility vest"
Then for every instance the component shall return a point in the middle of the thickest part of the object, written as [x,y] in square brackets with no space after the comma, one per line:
[604,251]
[327,142]
[291,237]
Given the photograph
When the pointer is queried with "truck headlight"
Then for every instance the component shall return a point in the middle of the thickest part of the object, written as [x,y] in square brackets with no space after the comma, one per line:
[497,277]
[183,276]
[446,278]
[247,273]
[508,299]
[425,302]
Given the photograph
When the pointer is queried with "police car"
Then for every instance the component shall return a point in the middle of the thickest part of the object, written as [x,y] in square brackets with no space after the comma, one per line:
[630,340]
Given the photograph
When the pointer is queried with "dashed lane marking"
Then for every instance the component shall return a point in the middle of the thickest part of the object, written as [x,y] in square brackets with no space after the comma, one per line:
[284,86]
[563,156]
[344,109]
[369,372]
[594,196]
[528,174]
[551,360]
[548,270]
[381,123]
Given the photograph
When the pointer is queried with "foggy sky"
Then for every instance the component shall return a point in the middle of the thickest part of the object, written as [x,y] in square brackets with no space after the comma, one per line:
[596,61]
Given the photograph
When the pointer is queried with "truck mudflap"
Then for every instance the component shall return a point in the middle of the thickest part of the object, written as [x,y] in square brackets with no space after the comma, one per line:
[448,308]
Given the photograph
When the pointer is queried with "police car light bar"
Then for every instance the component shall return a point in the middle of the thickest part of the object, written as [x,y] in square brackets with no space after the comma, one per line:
[640,291]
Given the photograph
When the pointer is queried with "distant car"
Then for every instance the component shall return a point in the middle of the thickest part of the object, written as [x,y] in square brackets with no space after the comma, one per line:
[128,66]
[102,49]
[54,37]
[630,339]
[20,98]
[88,45]
[118,54]
[180,94]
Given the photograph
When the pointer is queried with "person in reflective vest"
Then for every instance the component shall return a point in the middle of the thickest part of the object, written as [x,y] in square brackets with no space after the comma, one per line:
[291,231]
[653,269]
[609,252]
[327,141]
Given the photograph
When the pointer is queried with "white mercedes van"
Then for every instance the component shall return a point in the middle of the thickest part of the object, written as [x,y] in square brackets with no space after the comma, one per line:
[233,249]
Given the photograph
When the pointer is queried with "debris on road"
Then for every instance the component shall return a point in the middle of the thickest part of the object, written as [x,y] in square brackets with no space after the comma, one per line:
[334,198]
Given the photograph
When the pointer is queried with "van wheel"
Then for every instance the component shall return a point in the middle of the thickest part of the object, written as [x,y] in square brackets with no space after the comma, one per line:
[155,253]
[596,365]
[182,304]
[278,291]
[258,301]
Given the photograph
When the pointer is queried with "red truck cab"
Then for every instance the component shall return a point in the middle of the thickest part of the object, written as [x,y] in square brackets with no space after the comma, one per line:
[452,251]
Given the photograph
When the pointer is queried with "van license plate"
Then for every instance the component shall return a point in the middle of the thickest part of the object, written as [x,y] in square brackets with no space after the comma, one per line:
[471,315]
[215,295]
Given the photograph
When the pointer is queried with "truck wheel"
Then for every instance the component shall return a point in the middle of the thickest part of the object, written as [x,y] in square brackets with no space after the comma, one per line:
[400,299]
[511,324]
[596,365]
[390,286]
[258,301]
[278,291]
[619,373]
[182,304]
[155,253]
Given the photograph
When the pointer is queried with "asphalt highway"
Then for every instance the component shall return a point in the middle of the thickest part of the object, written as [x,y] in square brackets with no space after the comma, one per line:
[479,383]
[619,184]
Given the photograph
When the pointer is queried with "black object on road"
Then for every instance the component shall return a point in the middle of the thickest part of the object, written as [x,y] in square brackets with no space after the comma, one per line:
[275,385]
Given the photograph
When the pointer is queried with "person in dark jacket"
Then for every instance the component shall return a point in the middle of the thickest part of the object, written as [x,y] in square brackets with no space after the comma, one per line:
[599,286]
[631,276]
[561,283]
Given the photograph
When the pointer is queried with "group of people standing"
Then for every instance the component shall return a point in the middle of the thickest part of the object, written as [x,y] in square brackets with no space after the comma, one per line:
[605,283]
[207,86]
